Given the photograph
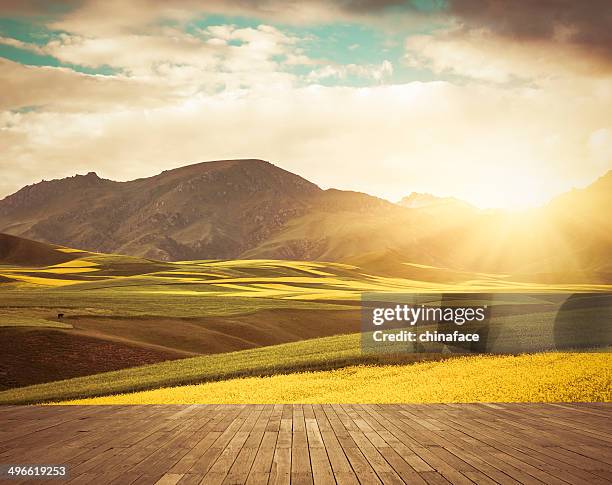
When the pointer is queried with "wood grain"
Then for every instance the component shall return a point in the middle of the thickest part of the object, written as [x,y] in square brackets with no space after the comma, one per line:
[321,444]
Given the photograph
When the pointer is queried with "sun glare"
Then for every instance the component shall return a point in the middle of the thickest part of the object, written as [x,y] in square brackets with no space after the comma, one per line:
[512,190]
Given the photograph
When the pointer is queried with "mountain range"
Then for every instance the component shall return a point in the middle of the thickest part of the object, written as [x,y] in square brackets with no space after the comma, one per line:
[252,209]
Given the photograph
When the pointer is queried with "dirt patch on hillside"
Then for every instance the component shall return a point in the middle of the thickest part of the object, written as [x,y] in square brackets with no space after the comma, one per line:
[32,356]
[212,335]
[99,344]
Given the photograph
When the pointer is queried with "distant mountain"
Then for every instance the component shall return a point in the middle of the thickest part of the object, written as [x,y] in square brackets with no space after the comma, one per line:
[570,238]
[212,210]
[207,210]
[253,209]
[418,200]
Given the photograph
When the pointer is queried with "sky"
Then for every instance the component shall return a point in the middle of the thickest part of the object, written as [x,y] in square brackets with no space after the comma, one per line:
[500,103]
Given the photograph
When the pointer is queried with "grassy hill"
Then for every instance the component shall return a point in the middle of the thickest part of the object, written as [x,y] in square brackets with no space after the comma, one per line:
[321,353]
[465,378]
[24,252]
[544,377]
[124,312]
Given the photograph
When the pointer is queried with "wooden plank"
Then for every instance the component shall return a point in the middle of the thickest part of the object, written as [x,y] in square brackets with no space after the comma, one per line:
[241,467]
[169,479]
[301,470]
[232,424]
[262,464]
[280,471]
[321,467]
[330,443]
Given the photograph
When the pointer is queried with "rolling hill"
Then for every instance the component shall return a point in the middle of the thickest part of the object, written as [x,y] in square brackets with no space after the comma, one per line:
[19,251]
[124,311]
[251,209]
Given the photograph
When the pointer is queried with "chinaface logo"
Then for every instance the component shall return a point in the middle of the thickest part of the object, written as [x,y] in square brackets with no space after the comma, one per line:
[498,323]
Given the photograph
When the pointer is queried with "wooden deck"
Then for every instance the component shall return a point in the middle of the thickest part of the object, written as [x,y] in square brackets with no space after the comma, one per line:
[345,444]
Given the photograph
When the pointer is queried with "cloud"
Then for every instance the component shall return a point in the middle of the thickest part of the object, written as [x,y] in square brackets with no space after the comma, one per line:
[36,7]
[496,40]
[583,23]
[209,49]
[502,40]
[387,140]
[64,90]
[21,45]
[97,16]
[586,23]
[208,60]
[518,40]
[531,105]
[480,54]
[137,54]
[376,73]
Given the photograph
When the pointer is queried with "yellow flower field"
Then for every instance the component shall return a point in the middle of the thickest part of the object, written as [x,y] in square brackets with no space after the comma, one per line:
[545,377]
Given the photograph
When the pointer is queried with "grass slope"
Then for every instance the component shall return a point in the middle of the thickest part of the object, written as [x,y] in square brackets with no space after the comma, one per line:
[113,297]
[544,377]
[115,275]
[8,320]
[321,353]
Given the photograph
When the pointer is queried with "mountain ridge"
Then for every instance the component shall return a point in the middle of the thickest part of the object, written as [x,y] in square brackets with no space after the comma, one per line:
[250,208]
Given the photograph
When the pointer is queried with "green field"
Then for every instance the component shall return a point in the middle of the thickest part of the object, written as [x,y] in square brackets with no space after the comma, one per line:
[322,353]
[125,279]
[220,319]
[15,317]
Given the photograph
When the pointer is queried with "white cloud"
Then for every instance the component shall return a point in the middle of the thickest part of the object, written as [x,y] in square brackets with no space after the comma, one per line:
[228,92]
[64,90]
[21,45]
[387,140]
[137,54]
[155,53]
[216,58]
[342,71]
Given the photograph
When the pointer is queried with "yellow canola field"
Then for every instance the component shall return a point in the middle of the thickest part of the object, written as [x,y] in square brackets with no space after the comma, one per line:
[545,377]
